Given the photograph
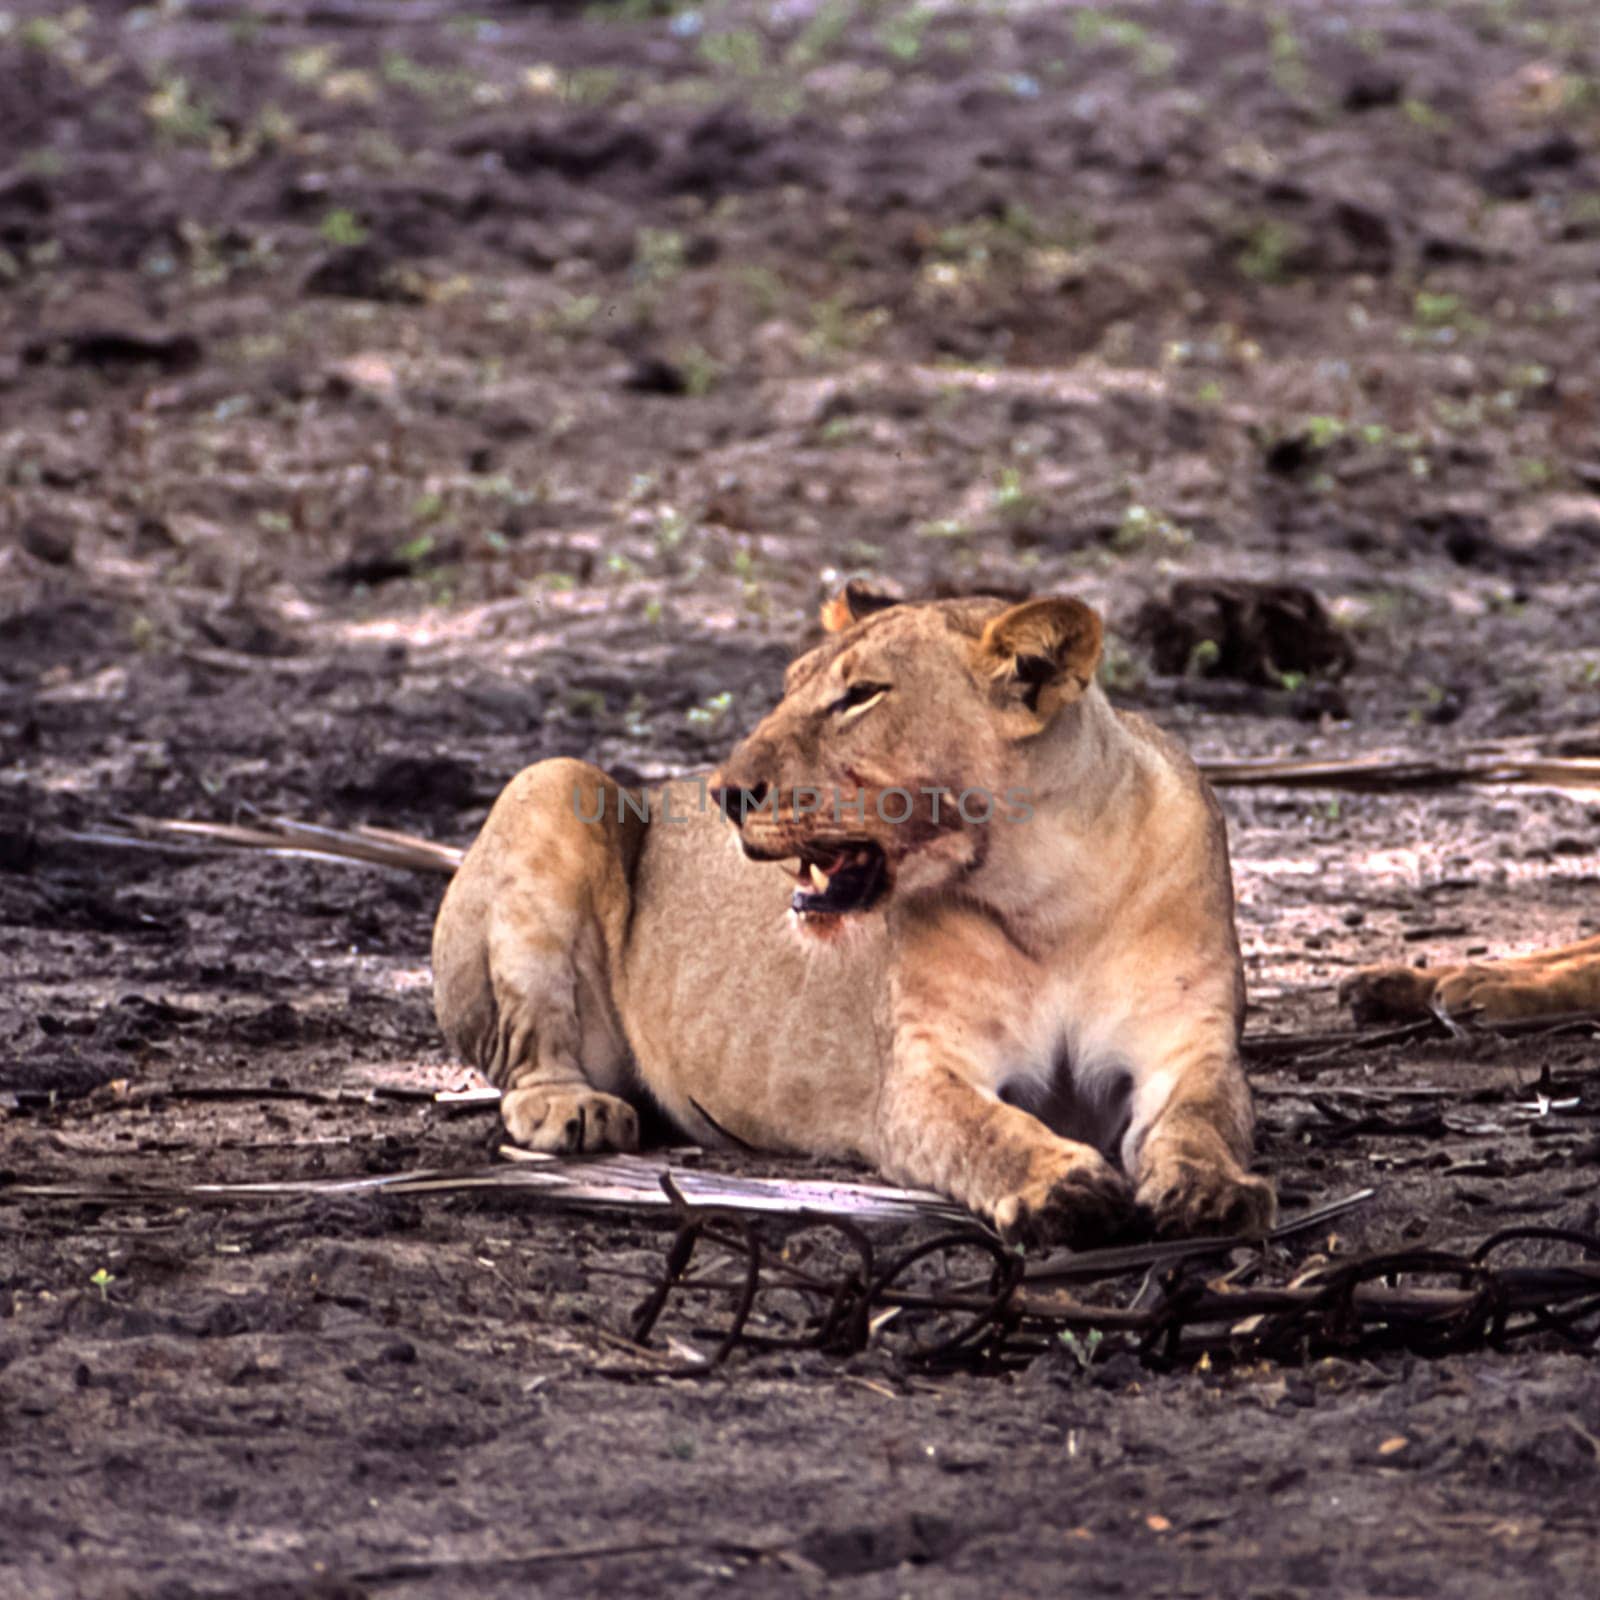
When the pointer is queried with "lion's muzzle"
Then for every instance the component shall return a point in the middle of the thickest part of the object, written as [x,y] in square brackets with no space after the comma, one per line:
[836,873]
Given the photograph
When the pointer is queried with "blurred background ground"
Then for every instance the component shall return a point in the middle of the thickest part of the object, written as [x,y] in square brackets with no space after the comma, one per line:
[395,393]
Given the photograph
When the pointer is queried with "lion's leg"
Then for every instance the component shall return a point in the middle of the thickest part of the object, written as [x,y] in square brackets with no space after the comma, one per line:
[551,1100]
[939,1129]
[1539,983]
[958,998]
[522,959]
[1188,1143]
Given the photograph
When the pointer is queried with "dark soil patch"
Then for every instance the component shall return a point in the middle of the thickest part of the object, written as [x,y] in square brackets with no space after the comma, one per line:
[394,397]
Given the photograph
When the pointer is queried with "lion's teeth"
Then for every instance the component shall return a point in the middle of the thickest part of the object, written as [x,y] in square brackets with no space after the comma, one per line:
[819,879]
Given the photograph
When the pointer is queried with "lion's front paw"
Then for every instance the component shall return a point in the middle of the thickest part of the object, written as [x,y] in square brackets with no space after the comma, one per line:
[1182,1195]
[567,1121]
[1497,994]
[1080,1200]
[1389,994]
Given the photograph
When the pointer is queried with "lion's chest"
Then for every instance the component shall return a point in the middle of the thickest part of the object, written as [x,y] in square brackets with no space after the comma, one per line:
[1063,1065]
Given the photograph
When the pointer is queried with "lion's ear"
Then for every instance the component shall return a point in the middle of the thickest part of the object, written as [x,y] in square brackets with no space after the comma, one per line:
[853,602]
[1047,649]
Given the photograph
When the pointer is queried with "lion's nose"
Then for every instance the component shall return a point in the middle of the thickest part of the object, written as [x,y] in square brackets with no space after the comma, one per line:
[736,801]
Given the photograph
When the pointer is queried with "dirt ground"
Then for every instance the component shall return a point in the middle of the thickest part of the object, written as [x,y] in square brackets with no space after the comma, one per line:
[394,393]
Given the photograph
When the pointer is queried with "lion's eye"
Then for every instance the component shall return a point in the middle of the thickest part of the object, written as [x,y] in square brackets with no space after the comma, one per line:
[857,698]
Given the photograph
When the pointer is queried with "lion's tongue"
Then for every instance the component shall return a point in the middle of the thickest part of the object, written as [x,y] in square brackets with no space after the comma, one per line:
[841,884]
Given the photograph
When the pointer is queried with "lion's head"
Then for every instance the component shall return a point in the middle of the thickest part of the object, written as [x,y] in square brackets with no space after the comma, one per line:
[902,742]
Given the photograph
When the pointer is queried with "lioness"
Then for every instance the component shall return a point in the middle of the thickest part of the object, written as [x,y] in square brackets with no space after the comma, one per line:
[1001,962]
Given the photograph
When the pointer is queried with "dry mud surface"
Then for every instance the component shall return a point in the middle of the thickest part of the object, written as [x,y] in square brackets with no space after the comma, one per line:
[392,394]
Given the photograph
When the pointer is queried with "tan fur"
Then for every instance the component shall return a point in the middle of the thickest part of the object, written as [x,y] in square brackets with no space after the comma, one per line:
[1543,983]
[1040,1018]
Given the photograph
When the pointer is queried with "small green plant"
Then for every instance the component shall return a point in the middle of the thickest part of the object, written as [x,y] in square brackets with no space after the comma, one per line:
[671,528]
[102,1279]
[342,228]
[1421,115]
[625,10]
[1152,56]
[1288,57]
[1011,497]
[1082,1350]
[1202,658]
[658,254]
[59,36]
[470,27]
[44,163]
[711,714]
[701,370]
[836,327]
[415,550]
[589,704]
[901,35]
[179,115]
[764,287]
[1322,431]
[310,65]
[1140,526]
[1266,251]
[741,51]
[636,714]
[814,41]
[1436,310]
[404,73]
[574,314]
[591,86]
[1440,318]
[1583,212]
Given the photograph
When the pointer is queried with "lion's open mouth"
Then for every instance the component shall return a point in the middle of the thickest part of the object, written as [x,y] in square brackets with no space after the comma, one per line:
[839,880]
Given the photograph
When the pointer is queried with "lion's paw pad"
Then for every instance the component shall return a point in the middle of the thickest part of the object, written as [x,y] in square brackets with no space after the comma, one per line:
[1087,1204]
[1189,1197]
[569,1121]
